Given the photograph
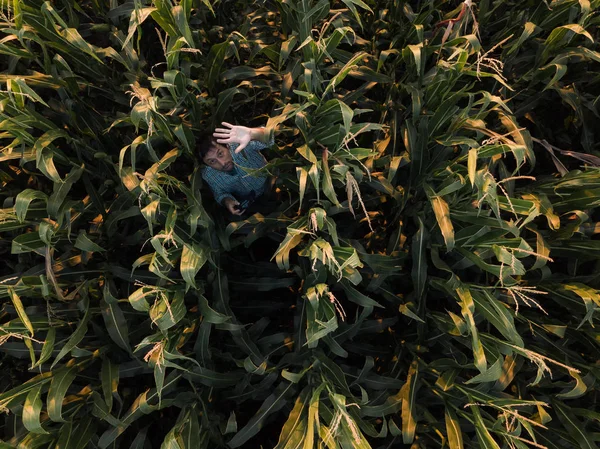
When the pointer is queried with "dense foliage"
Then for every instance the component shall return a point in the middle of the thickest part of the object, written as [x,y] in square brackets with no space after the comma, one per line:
[429,277]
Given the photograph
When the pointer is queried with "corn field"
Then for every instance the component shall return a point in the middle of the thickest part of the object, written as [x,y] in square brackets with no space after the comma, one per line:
[427,279]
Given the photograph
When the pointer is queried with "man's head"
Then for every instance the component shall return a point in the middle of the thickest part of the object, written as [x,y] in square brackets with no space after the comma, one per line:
[214,154]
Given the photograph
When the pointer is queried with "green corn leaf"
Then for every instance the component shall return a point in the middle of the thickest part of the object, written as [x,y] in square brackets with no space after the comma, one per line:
[193,257]
[409,404]
[225,98]
[192,435]
[171,440]
[510,367]
[357,297]
[416,52]
[17,95]
[472,165]
[453,429]
[72,36]
[498,315]
[313,416]
[442,215]
[47,348]
[185,137]
[138,16]
[99,410]
[467,310]
[77,335]
[27,91]
[29,345]
[302,175]
[84,243]
[529,30]
[573,426]
[294,377]
[116,324]
[181,21]
[138,299]
[492,374]
[20,310]
[394,429]
[32,409]
[164,17]
[328,189]
[216,57]
[578,390]
[344,71]
[212,378]
[307,153]
[58,389]
[32,441]
[209,314]
[293,431]
[347,114]
[419,269]
[76,436]
[295,234]
[45,163]
[483,434]
[24,199]
[559,33]
[391,405]
[231,424]
[167,313]
[313,174]
[542,249]
[352,4]
[143,405]
[16,395]
[560,71]
[404,309]
[272,404]
[109,376]
[61,189]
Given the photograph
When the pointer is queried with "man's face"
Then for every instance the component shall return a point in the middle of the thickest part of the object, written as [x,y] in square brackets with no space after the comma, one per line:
[219,158]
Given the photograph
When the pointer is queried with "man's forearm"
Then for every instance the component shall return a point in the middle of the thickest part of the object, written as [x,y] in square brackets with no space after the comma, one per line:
[261,134]
[223,197]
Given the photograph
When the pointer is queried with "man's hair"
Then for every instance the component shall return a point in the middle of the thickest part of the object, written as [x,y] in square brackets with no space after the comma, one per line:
[206,142]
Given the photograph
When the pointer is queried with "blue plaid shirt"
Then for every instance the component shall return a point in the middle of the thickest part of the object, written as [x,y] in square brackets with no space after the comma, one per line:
[237,184]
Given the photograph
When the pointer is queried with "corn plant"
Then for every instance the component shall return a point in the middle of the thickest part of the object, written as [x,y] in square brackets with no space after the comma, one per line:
[427,277]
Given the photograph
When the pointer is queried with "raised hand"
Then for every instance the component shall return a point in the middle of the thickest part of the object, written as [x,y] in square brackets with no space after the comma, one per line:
[241,135]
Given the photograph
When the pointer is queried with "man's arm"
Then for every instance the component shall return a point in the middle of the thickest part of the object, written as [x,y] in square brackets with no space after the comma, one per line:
[264,139]
[244,136]
[230,204]
[262,134]
[222,196]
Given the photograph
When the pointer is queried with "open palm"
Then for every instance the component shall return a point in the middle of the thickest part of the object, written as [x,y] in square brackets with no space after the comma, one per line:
[233,134]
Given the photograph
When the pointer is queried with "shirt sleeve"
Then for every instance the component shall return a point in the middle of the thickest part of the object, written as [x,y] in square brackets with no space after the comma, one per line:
[218,190]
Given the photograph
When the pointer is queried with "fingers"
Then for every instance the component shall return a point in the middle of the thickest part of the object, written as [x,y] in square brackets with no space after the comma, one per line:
[224,141]
[231,207]
[222,131]
[234,211]
[240,147]
[229,125]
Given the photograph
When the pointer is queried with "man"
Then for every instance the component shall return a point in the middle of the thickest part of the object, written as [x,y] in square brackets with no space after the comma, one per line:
[222,154]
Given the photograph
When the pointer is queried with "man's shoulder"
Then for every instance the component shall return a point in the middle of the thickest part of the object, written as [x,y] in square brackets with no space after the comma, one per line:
[206,170]
[209,173]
